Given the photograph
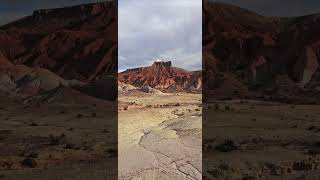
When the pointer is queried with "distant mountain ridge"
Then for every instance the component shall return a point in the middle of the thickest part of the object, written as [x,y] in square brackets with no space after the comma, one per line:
[163,76]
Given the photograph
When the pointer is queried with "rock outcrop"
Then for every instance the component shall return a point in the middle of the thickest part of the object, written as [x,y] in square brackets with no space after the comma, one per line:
[164,77]
[26,81]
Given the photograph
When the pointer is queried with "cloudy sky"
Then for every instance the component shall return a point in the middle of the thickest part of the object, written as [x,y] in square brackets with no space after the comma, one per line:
[15,9]
[167,29]
[279,7]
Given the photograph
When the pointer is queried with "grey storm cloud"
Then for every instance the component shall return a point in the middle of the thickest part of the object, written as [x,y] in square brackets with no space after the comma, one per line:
[166,29]
[287,8]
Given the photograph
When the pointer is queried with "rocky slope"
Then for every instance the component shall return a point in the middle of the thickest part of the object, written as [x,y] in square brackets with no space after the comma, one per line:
[23,80]
[163,76]
[72,47]
[78,42]
[249,55]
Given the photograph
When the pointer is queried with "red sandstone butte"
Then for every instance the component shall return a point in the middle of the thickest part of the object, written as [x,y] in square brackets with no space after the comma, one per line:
[163,76]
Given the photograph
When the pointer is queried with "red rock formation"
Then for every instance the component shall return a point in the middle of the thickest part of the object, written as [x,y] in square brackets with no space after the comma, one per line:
[244,53]
[78,42]
[4,62]
[164,77]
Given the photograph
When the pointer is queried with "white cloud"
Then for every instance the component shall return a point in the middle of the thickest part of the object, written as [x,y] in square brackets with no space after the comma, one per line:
[149,29]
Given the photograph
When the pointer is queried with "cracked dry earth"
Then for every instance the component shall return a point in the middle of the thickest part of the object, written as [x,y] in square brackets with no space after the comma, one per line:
[160,136]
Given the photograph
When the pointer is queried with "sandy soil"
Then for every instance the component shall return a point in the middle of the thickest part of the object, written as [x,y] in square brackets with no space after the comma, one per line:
[160,136]
[261,140]
[58,140]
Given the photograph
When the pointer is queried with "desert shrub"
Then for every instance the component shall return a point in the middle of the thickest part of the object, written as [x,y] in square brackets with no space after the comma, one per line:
[105,131]
[112,152]
[33,154]
[33,124]
[57,140]
[227,146]
[29,162]
[216,107]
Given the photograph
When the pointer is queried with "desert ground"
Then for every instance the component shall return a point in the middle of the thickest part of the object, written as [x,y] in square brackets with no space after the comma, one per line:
[261,140]
[67,138]
[160,136]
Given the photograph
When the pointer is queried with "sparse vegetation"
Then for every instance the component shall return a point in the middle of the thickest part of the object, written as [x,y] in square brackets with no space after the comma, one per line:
[62,112]
[216,106]
[33,124]
[112,152]
[57,140]
[33,154]
[29,162]
[227,146]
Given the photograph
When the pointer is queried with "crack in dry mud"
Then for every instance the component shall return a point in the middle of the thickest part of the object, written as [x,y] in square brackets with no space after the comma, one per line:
[177,167]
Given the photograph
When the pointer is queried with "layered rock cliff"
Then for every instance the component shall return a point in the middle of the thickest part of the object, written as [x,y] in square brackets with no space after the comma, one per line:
[249,55]
[78,42]
[163,76]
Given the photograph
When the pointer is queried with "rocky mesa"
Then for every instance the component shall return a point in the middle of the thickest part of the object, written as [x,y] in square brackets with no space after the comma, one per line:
[163,76]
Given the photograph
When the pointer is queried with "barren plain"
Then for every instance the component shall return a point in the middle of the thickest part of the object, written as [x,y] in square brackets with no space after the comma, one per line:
[160,136]
[261,140]
[73,139]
